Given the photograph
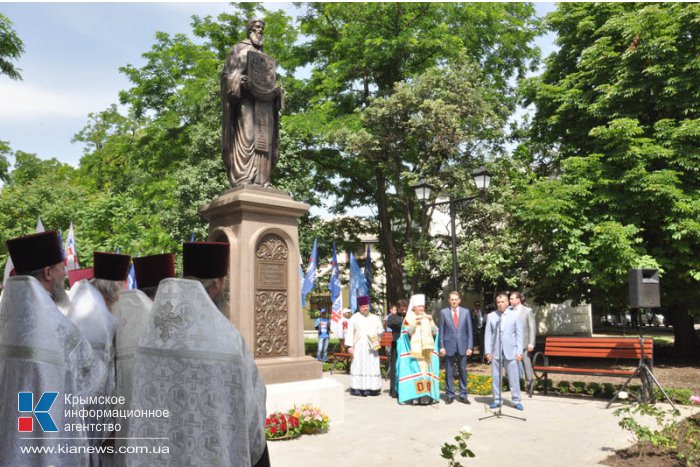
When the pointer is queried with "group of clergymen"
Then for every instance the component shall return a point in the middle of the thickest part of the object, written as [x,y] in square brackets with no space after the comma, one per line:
[107,376]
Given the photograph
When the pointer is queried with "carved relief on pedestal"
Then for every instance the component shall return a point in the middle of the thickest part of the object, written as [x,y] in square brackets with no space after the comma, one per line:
[271,306]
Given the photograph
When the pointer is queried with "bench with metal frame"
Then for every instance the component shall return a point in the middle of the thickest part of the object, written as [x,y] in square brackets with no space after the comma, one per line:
[616,348]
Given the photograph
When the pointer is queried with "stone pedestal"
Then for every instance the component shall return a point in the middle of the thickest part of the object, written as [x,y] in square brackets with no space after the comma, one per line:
[263,289]
[326,393]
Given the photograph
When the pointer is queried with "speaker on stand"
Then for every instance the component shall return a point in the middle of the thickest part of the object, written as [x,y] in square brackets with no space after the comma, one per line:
[644,293]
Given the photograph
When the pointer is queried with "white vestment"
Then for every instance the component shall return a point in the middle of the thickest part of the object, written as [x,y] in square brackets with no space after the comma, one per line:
[193,362]
[42,351]
[89,312]
[364,371]
[132,312]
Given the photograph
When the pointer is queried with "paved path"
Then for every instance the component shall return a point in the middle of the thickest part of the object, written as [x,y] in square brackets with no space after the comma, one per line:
[378,432]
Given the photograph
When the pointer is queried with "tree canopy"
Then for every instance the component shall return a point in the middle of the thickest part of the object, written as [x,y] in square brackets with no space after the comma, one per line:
[615,136]
[11,48]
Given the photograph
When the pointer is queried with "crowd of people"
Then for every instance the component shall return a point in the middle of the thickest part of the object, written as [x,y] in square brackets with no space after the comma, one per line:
[150,376]
[505,338]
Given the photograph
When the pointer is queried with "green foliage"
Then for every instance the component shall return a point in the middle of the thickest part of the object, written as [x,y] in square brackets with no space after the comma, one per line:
[659,437]
[593,389]
[400,64]
[449,451]
[38,188]
[479,385]
[614,140]
[564,387]
[608,390]
[5,151]
[678,396]
[578,387]
[11,47]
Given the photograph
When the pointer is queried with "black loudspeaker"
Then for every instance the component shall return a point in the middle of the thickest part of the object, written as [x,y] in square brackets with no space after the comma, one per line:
[644,288]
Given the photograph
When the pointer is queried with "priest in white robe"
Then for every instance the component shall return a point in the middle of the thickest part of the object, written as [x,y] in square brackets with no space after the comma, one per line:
[192,362]
[41,351]
[89,311]
[362,341]
[152,269]
[109,275]
[133,313]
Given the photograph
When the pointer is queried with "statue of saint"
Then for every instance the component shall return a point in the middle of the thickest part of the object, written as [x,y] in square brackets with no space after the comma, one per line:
[251,102]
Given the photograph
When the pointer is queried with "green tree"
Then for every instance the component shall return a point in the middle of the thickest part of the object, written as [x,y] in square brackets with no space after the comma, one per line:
[616,132]
[361,51]
[11,48]
[5,151]
[436,124]
[38,188]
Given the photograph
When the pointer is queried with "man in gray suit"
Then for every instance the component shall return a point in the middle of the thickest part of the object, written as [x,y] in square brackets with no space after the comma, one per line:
[504,347]
[456,343]
[529,334]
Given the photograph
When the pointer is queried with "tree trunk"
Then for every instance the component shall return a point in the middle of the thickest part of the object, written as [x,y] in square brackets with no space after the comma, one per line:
[685,339]
[394,273]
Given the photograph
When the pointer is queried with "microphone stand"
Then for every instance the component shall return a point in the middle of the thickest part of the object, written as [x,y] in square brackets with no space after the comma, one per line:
[500,413]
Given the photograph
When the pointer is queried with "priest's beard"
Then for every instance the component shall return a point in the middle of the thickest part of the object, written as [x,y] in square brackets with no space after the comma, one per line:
[59,295]
[220,301]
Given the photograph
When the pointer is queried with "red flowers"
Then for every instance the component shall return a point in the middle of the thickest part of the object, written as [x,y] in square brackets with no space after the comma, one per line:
[282,426]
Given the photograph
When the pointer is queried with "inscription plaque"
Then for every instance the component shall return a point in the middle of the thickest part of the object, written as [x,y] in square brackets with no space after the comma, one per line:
[271,306]
[263,112]
[271,276]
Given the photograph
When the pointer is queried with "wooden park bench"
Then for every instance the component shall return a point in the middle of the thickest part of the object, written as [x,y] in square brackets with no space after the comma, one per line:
[615,348]
[341,360]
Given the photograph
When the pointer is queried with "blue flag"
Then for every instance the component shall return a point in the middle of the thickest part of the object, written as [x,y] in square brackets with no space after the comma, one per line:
[310,278]
[60,243]
[301,277]
[336,296]
[131,278]
[358,286]
[192,237]
[368,274]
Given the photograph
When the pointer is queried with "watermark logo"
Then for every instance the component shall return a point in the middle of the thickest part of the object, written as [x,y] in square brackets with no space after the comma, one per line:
[40,411]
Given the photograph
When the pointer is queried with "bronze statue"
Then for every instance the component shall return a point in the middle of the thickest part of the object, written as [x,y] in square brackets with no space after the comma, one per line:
[251,102]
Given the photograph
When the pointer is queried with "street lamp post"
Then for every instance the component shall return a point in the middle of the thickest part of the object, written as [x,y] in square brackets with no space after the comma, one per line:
[482,180]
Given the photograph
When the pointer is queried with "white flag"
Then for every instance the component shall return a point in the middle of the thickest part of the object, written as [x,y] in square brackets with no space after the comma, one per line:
[71,255]
[8,269]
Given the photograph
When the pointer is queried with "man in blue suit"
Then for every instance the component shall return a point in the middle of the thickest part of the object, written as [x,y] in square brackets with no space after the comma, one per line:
[456,344]
[504,347]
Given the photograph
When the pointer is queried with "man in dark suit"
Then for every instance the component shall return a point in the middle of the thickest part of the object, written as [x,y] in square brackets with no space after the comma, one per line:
[456,344]
[479,328]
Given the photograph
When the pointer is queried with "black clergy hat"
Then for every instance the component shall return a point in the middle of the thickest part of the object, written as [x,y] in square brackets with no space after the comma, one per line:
[111,266]
[205,260]
[35,251]
[150,270]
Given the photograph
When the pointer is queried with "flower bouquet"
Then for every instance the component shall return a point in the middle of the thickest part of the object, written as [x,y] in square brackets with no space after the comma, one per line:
[280,425]
[311,419]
